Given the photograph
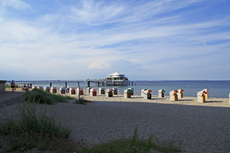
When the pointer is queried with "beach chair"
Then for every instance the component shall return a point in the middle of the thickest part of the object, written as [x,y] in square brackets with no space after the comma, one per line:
[114,91]
[35,87]
[47,89]
[62,90]
[142,92]
[132,90]
[109,93]
[180,93]
[80,90]
[229,98]
[206,93]
[173,95]
[53,90]
[127,93]
[72,91]
[101,90]
[93,92]
[40,87]
[201,96]
[147,94]
[161,93]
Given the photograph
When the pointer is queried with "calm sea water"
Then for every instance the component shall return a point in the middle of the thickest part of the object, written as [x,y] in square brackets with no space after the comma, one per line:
[220,89]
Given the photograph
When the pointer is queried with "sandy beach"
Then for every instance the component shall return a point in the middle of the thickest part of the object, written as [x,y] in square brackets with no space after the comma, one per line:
[192,126]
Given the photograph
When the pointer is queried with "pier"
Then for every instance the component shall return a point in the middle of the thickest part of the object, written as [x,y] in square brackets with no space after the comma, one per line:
[115,79]
[105,82]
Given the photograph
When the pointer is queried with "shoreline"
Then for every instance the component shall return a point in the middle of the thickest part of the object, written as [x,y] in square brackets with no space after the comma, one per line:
[211,101]
[221,91]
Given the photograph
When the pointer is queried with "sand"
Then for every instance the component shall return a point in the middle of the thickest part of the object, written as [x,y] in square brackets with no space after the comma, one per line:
[192,126]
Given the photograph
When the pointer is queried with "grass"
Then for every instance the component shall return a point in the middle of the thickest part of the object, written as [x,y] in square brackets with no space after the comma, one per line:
[32,129]
[129,145]
[43,97]
[9,86]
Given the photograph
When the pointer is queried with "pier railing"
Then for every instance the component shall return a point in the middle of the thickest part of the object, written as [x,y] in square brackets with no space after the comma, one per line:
[108,82]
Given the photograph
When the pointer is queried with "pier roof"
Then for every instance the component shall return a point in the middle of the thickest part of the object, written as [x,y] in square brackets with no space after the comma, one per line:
[116,74]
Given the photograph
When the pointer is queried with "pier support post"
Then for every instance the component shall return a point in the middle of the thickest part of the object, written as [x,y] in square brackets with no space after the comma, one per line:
[65,84]
[98,84]
[78,92]
[88,83]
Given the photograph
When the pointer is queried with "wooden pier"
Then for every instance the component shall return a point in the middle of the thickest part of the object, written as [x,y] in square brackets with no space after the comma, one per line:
[105,82]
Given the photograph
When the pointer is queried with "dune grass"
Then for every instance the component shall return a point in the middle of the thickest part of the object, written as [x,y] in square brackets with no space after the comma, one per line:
[129,145]
[32,129]
[40,96]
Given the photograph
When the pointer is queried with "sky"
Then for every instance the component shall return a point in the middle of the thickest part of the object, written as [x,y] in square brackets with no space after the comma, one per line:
[89,39]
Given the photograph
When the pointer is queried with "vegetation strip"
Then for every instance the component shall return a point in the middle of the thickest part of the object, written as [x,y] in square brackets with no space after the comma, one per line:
[130,145]
[43,97]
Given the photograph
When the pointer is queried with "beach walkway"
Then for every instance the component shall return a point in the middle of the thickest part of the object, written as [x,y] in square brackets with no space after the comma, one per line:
[9,95]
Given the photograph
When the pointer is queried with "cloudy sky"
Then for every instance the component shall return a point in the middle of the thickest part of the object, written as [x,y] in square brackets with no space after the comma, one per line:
[144,39]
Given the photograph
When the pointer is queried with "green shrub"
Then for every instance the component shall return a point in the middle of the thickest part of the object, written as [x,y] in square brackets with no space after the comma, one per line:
[40,96]
[9,86]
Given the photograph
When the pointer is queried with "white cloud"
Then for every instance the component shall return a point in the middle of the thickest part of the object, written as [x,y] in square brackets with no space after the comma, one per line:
[95,13]
[98,65]
[14,31]
[153,8]
[17,4]
[101,12]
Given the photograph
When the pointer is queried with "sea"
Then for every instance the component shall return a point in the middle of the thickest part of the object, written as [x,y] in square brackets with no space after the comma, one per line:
[218,89]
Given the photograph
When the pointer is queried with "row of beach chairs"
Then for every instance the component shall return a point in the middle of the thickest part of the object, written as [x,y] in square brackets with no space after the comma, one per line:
[62,90]
[145,93]
[107,92]
[174,94]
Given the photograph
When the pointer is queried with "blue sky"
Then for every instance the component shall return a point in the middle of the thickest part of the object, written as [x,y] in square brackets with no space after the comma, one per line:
[144,39]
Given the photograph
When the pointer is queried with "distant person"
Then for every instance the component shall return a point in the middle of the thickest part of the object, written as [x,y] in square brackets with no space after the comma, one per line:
[24,87]
[12,85]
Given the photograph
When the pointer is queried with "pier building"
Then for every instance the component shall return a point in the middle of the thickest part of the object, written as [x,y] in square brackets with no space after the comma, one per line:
[114,79]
